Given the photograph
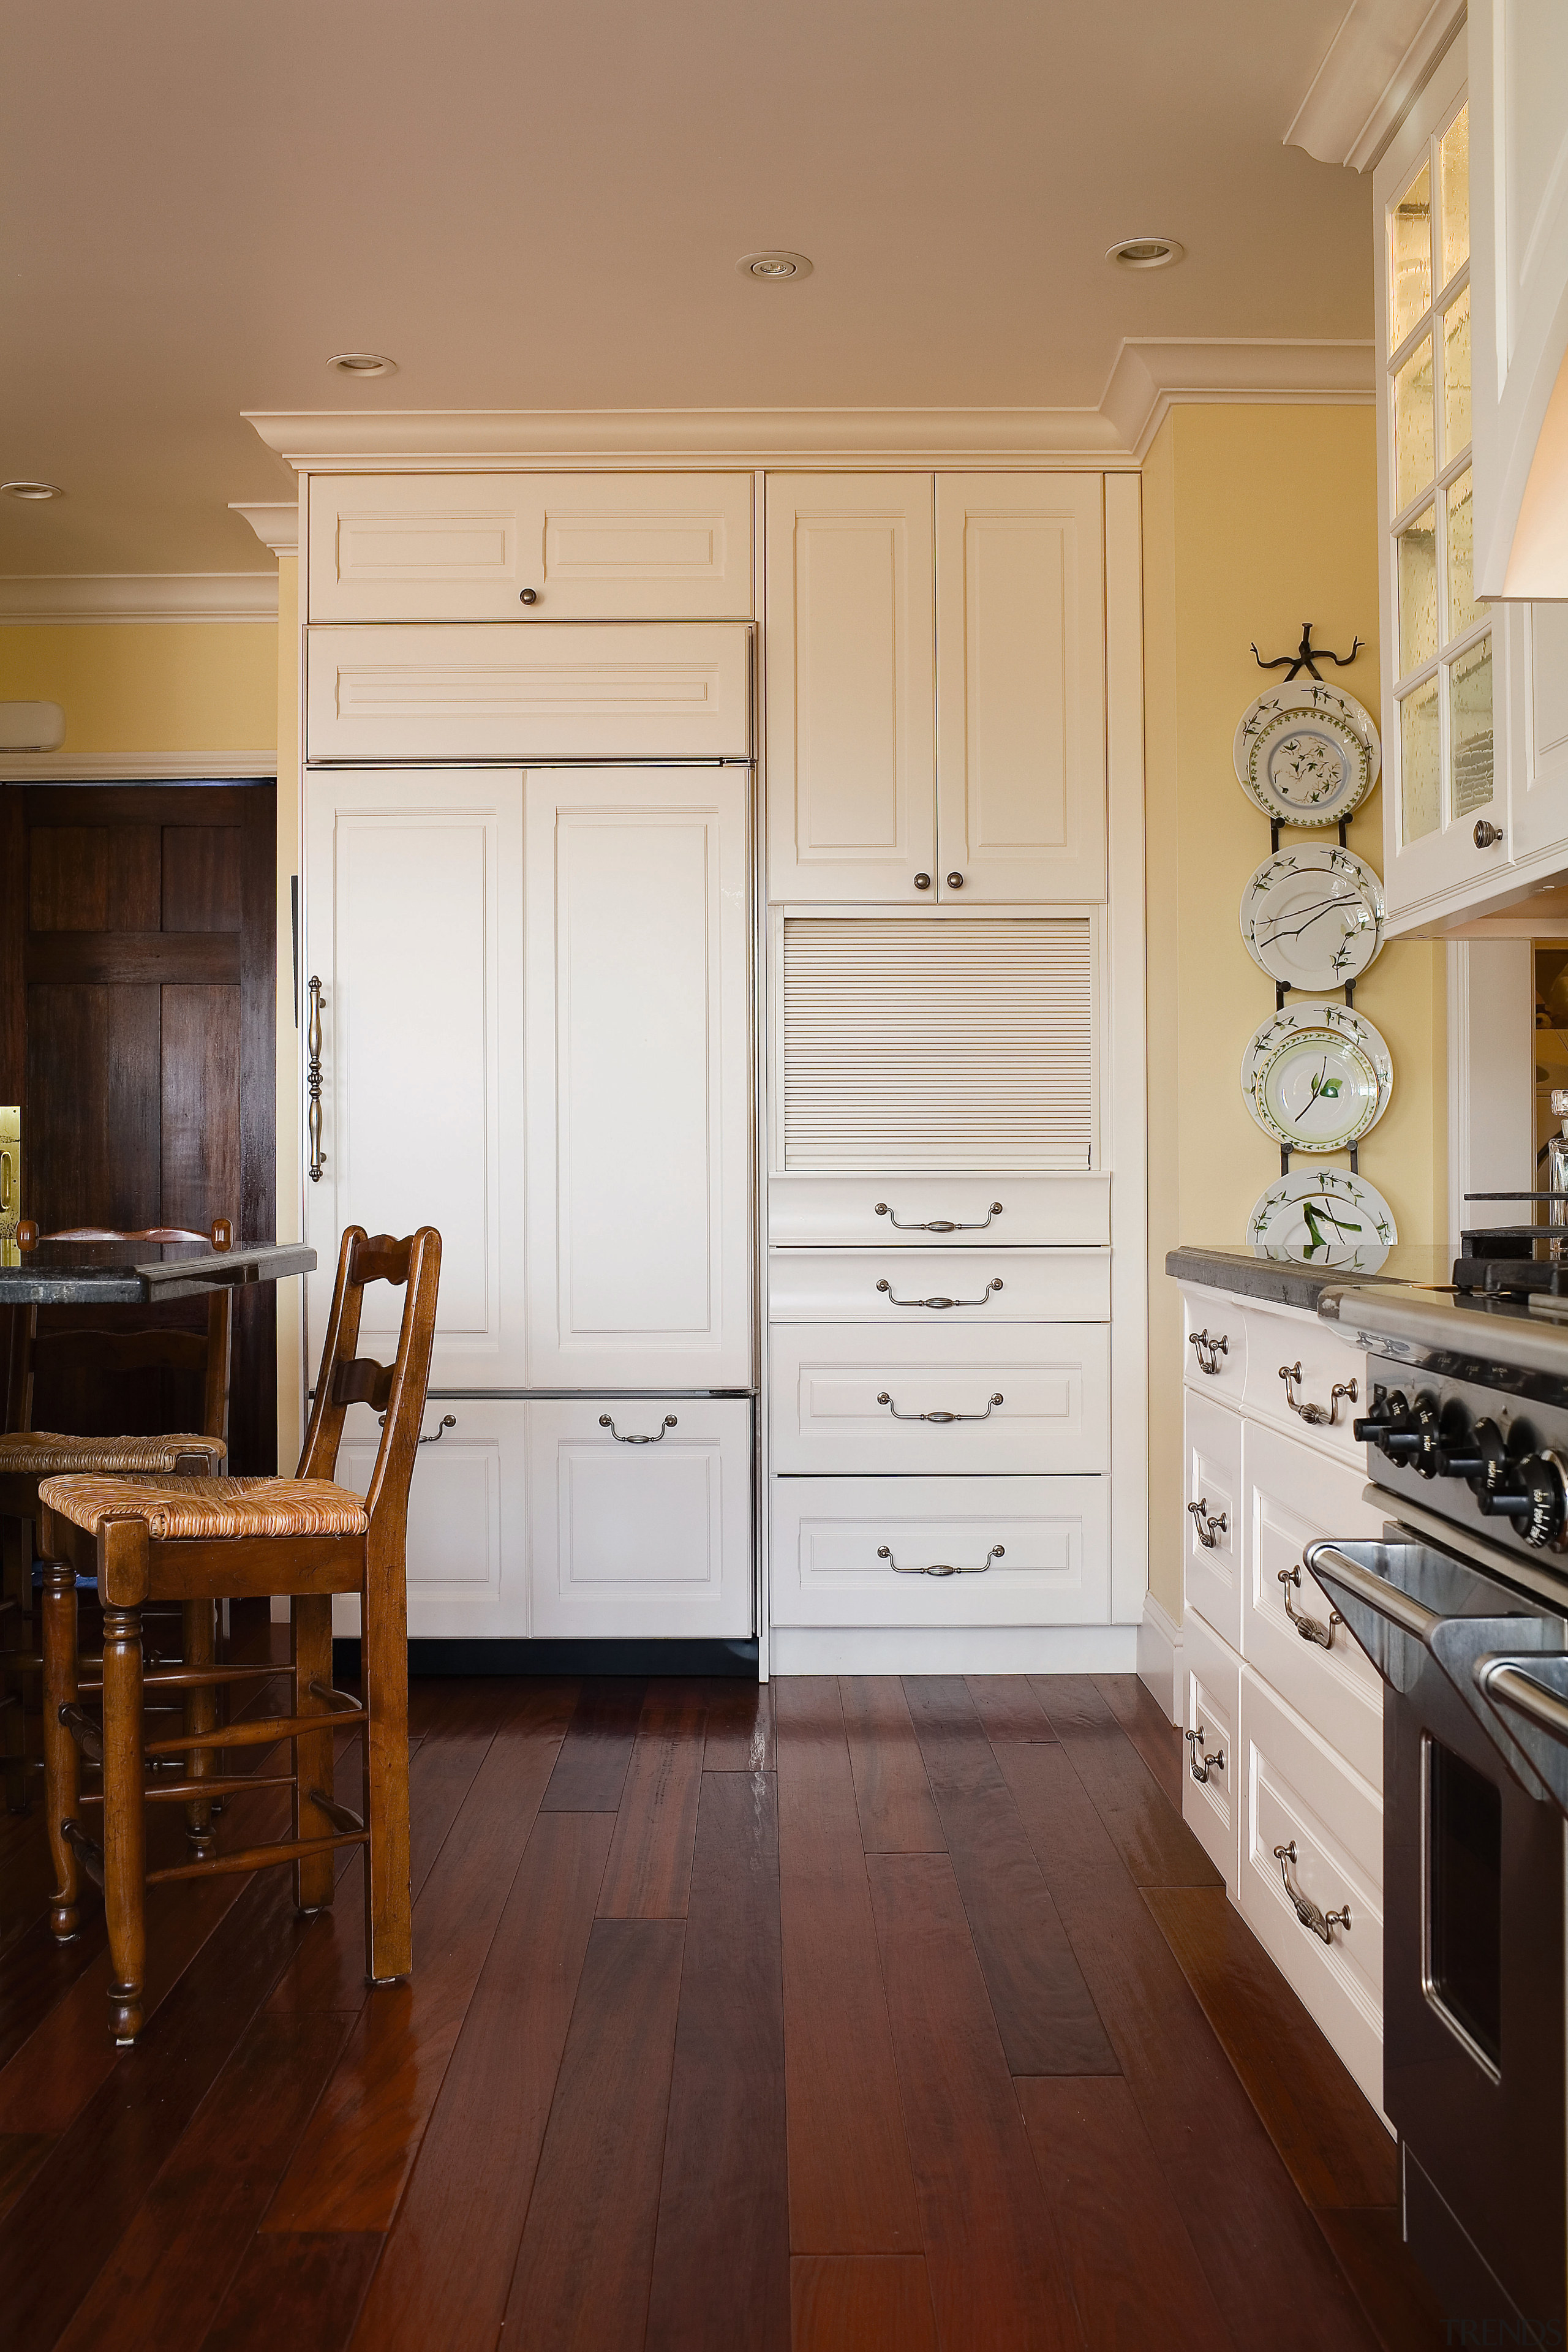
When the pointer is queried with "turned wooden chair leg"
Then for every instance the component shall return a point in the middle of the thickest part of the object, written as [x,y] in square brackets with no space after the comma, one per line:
[200,1648]
[311,1619]
[124,1826]
[62,1763]
[15,1626]
[384,1656]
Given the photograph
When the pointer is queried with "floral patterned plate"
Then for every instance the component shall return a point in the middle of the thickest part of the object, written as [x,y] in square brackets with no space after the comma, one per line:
[1312,915]
[1317,1074]
[1307,753]
[1323,1216]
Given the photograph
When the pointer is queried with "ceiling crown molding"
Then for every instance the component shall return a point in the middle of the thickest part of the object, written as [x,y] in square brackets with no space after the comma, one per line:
[139,597]
[1157,373]
[1378,63]
[275,521]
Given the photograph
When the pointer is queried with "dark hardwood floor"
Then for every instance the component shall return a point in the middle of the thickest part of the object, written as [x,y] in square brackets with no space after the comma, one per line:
[895,2017]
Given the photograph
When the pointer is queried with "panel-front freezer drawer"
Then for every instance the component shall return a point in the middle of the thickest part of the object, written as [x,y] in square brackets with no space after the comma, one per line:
[940,1211]
[467,1550]
[1012,1551]
[939,1287]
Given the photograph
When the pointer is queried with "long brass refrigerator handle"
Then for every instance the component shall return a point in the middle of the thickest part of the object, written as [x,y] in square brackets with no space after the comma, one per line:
[313,1079]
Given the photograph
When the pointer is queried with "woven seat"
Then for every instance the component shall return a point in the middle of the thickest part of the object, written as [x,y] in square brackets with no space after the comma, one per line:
[47,1453]
[209,1510]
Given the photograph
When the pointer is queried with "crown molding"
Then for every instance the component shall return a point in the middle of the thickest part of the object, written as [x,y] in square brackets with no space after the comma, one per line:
[275,521]
[102,596]
[1377,65]
[1148,376]
[137,767]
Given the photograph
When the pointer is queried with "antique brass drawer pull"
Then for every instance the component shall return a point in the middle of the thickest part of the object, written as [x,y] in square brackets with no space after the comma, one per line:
[1309,1628]
[1199,1765]
[941,1567]
[984,1300]
[940,1225]
[447,1421]
[605,1423]
[1314,1415]
[1209,1352]
[1210,1528]
[885,1399]
[1319,1923]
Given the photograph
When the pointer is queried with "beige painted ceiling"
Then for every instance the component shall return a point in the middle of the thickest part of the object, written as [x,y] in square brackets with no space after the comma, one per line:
[541,206]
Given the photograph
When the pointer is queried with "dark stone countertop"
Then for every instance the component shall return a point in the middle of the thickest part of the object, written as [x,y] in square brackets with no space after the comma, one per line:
[131,1274]
[1285,1282]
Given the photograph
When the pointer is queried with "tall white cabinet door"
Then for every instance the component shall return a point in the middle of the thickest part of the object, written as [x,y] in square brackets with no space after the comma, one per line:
[639,1056]
[576,547]
[413,898]
[1020,653]
[851,751]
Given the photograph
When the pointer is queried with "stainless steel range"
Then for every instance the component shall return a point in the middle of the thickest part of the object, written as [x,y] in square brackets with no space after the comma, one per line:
[1463,1609]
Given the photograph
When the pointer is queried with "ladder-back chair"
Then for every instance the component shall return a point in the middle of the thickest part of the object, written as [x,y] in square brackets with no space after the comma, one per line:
[152,1538]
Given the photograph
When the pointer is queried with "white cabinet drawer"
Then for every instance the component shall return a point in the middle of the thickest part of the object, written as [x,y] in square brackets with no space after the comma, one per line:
[896,1210]
[827,1416]
[467,1544]
[1278,1338]
[945,1287]
[640,1541]
[1211,1762]
[670,690]
[835,1540]
[1214,1334]
[1212,1516]
[1293,1497]
[1296,1793]
[583,547]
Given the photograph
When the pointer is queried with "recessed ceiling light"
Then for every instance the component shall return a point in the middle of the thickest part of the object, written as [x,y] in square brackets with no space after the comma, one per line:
[32,489]
[362,363]
[776,265]
[1145,252]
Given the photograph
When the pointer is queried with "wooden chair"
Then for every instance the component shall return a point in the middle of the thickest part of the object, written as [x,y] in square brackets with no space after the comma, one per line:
[150,1539]
[28,1456]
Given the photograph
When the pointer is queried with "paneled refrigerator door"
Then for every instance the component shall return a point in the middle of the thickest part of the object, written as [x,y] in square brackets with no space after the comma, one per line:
[639,1082]
[412,928]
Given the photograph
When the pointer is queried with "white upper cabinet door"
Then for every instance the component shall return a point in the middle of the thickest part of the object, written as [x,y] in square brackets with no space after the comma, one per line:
[1020,687]
[413,888]
[515,547]
[639,1163]
[657,691]
[851,749]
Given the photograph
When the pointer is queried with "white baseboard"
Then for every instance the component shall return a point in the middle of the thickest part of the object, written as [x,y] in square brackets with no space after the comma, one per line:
[954,1650]
[1160,1656]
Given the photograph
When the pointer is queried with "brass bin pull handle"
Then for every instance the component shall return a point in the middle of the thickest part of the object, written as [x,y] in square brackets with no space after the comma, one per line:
[313,1079]
[1315,1415]
[940,1225]
[1320,1924]
[1311,1629]
[984,1300]
[885,1399]
[447,1421]
[942,1567]
[1198,1764]
[633,1438]
[1209,1352]
[1210,1528]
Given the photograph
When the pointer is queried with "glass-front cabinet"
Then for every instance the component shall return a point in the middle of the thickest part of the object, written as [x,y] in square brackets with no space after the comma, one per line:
[1475,782]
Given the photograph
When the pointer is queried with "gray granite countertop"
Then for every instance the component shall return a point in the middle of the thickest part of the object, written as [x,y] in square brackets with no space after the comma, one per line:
[130,1273]
[1287,1283]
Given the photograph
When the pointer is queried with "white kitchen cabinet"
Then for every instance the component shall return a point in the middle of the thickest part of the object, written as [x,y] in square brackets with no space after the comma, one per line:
[467,1556]
[413,899]
[1020,687]
[1211,1533]
[1210,1722]
[637,1051]
[521,546]
[982,780]
[910,1290]
[948,1210]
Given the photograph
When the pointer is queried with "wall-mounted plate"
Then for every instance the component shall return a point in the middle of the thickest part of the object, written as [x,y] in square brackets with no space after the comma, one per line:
[1308,753]
[1316,1075]
[1312,915]
[1323,1216]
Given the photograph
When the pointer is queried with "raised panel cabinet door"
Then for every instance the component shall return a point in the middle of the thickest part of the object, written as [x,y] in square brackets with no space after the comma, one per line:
[850,723]
[639,1089]
[521,547]
[1020,680]
[640,1517]
[413,904]
[468,1549]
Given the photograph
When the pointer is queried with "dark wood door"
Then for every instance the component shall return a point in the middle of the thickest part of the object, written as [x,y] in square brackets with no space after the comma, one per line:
[137,1032]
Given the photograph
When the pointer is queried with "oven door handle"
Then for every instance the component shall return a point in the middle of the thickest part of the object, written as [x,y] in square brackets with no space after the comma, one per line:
[1534,1709]
[1329,1565]
[1505,1681]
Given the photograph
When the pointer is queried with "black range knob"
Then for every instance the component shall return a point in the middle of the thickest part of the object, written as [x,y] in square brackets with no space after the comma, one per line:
[1535,1496]
[1479,1454]
[1389,1409]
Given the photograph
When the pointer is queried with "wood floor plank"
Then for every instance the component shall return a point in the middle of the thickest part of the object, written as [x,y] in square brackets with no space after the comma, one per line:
[164,2281]
[1142,1718]
[1334,2146]
[1008,1708]
[1402,2309]
[996,2278]
[21,2154]
[1043,2007]
[442,2283]
[894,1799]
[302,2292]
[649,1868]
[720,2265]
[38,1973]
[851,2188]
[590,1771]
[349,2168]
[860,2303]
[740,1726]
[1135,2278]
[1146,1827]
[1259,2246]
[585,2262]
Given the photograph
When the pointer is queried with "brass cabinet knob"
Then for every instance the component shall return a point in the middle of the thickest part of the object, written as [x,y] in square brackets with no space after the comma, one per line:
[955,881]
[527,596]
[922,881]
[1487,836]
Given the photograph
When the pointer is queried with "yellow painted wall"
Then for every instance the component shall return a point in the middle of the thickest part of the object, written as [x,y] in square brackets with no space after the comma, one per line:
[1255,519]
[150,686]
[290,1295]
